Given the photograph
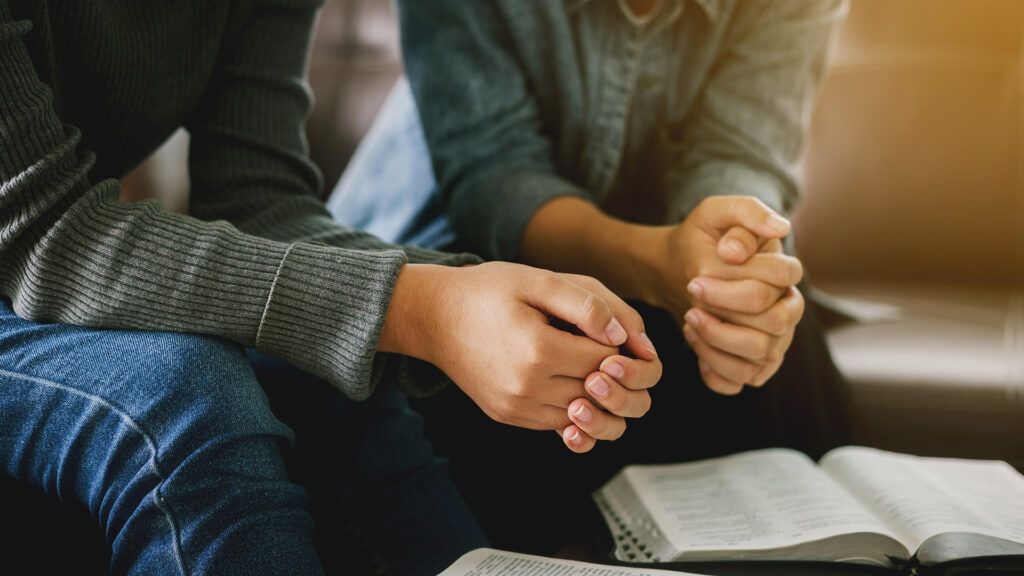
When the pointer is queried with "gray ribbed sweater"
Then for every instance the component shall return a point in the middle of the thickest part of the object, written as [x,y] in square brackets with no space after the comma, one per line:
[88,89]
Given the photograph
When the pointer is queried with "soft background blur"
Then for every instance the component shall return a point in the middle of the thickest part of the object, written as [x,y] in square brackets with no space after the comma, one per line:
[914,177]
[914,180]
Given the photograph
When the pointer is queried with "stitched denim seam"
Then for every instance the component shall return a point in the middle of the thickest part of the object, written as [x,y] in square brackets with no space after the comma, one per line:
[150,443]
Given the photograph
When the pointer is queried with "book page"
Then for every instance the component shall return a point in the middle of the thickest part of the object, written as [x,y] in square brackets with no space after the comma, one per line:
[488,562]
[754,500]
[921,497]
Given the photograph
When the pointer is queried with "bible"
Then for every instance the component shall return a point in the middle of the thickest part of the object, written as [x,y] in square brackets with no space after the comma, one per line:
[489,562]
[858,511]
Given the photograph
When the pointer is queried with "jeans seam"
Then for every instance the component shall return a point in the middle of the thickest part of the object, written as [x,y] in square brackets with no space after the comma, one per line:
[150,444]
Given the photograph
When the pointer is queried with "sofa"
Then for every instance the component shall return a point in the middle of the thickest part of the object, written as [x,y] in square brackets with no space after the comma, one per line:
[914,198]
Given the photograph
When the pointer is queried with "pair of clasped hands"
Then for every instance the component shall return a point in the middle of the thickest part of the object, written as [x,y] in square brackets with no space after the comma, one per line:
[722,273]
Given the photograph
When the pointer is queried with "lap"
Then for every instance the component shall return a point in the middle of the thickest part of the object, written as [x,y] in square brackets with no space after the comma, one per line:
[524,484]
[152,381]
[161,385]
[371,474]
[84,407]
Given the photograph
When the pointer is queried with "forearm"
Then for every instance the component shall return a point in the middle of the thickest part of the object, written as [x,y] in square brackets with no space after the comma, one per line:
[572,235]
[746,130]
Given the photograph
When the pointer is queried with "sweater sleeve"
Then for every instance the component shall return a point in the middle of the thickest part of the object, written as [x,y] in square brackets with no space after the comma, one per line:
[249,160]
[71,252]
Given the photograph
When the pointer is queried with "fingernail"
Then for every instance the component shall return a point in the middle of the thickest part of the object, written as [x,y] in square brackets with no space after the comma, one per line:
[778,223]
[645,341]
[598,387]
[582,413]
[736,246]
[615,332]
[573,436]
[695,288]
[615,370]
[692,317]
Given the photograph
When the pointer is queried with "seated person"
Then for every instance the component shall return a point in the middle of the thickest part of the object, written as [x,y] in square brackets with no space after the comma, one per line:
[637,141]
[158,368]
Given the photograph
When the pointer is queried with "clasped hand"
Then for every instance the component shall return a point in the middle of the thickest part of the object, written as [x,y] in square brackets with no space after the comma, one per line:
[497,329]
[740,306]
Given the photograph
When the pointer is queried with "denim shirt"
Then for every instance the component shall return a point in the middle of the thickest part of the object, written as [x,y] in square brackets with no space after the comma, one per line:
[522,101]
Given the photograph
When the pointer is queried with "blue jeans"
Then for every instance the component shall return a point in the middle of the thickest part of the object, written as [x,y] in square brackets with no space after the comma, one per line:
[174,444]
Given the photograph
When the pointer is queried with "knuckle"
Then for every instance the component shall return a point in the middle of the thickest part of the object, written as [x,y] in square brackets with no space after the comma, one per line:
[549,282]
[750,374]
[634,318]
[707,203]
[736,204]
[656,373]
[704,269]
[763,297]
[560,423]
[707,331]
[725,388]
[794,316]
[502,416]
[798,271]
[519,388]
[588,282]
[799,305]
[762,348]
[765,375]
[533,358]
[781,273]
[590,308]
[779,322]
[645,405]
[614,403]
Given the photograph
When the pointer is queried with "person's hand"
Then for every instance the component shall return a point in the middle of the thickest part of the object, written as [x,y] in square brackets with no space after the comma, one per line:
[726,259]
[616,390]
[489,328]
[740,303]
[719,369]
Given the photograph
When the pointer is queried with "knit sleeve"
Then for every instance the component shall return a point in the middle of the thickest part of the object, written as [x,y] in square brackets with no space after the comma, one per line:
[71,252]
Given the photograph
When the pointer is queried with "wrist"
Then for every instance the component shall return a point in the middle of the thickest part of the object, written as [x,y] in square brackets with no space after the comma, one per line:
[572,235]
[408,323]
[613,251]
[645,252]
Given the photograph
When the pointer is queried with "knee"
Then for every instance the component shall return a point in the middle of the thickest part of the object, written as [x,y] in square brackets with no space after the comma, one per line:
[201,388]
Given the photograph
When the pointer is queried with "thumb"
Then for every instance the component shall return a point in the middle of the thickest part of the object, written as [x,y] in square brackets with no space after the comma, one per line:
[721,213]
[738,245]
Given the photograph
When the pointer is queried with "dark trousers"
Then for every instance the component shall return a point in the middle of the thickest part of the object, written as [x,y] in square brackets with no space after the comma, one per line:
[530,493]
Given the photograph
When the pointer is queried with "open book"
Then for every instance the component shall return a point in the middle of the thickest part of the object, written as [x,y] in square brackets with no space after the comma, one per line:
[488,562]
[859,505]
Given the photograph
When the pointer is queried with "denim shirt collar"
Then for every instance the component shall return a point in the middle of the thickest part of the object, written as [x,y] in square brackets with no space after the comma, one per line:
[712,8]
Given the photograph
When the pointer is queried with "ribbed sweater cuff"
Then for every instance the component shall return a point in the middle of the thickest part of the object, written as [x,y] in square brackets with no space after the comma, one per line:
[325,313]
[326,310]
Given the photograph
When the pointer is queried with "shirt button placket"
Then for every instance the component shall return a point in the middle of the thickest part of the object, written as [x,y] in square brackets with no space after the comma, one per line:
[616,98]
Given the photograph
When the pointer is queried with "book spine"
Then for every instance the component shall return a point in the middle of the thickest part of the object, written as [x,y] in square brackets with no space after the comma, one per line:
[637,538]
